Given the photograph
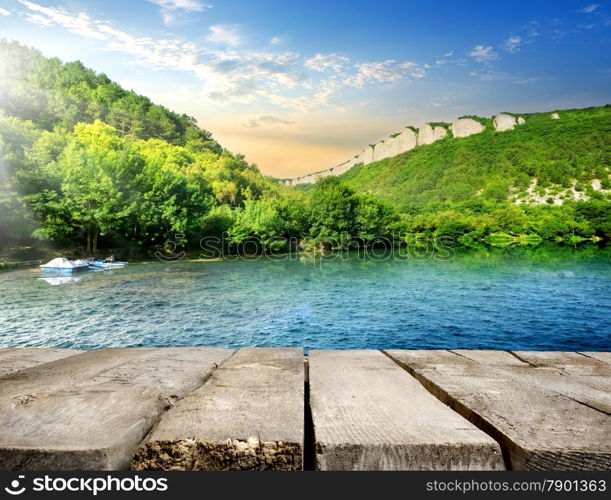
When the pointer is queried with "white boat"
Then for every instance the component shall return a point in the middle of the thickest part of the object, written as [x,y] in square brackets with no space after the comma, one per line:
[108,263]
[63,265]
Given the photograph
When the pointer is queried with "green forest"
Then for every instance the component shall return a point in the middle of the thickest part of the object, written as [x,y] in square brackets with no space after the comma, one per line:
[86,165]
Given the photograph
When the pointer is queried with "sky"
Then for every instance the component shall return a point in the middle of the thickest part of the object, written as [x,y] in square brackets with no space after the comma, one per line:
[300,86]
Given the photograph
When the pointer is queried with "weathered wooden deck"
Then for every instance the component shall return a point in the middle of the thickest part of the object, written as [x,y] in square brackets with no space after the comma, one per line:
[264,408]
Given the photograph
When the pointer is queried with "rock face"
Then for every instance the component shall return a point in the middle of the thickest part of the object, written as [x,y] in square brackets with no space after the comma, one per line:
[464,127]
[408,139]
[393,146]
[344,167]
[439,133]
[428,135]
[504,122]
[555,116]
[382,149]
[366,156]
[309,179]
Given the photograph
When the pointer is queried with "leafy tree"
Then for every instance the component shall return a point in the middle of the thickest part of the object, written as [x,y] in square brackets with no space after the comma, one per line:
[96,169]
[373,218]
[260,221]
[332,210]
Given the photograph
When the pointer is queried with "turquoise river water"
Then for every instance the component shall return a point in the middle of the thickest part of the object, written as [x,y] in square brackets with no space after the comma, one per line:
[537,300]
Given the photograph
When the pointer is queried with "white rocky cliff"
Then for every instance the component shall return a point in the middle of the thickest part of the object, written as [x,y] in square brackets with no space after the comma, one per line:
[504,122]
[464,127]
[395,144]
[428,134]
[409,138]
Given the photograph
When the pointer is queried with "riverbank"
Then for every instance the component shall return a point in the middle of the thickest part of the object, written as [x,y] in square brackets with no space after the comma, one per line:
[274,409]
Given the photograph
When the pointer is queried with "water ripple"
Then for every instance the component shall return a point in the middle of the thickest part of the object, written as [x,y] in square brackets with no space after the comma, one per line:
[470,302]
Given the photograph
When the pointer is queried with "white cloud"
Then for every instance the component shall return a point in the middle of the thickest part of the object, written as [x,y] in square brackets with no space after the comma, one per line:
[224,34]
[483,54]
[490,75]
[445,59]
[532,30]
[188,5]
[79,24]
[265,120]
[588,9]
[275,40]
[512,44]
[325,62]
[4,12]
[38,19]
[385,72]
[173,10]
[527,80]
[226,75]
[443,100]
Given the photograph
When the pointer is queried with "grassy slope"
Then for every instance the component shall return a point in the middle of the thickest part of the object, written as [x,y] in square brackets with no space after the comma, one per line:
[554,151]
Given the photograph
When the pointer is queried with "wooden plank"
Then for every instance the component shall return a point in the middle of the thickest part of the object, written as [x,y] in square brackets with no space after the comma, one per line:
[90,411]
[369,414]
[605,357]
[572,362]
[248,416]
[538,428]
[585,380]
[503,358]
[15,359]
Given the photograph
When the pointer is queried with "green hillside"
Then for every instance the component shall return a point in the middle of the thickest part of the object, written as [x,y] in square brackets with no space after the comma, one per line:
[84,162]
[54,94]
[559,154]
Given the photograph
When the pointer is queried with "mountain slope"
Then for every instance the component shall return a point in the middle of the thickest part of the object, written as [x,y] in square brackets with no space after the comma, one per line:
[543,160]
[82,158]
[52,93]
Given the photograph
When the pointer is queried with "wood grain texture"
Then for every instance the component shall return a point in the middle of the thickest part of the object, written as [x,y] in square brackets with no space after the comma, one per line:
[90,411]
[248,416]
[15,359]
[526,409]
[582,378]
[605,357]
[571,362]
[369,414]
[578,377]
[502,358]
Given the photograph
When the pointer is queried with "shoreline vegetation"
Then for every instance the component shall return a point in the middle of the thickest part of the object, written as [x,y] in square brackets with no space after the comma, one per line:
[88,167]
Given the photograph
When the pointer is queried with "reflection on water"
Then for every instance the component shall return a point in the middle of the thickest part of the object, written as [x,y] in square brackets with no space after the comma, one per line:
[68,277]
[526,300]
[61,279]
